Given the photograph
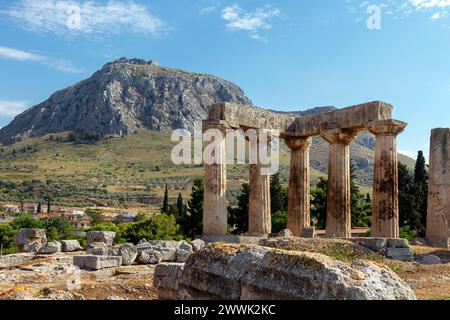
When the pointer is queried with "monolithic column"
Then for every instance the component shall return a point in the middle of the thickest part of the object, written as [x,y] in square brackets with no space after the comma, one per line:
[259,216]
[339,222]
[215,202]
[299,185]
[438,216]
[385,211]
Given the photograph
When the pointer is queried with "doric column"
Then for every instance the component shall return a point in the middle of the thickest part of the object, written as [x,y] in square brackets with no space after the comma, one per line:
[339,220]
[385,211]
[215,203]
[299,185]
[259,216]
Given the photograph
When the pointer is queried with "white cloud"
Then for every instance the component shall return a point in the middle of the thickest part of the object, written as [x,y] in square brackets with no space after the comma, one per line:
[12,108]
[20,55]
[253,22]
[84,17]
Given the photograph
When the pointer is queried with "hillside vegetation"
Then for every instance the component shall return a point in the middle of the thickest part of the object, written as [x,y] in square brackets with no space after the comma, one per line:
[127,172]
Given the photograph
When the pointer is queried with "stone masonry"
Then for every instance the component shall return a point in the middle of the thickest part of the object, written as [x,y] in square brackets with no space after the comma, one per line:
[438,219]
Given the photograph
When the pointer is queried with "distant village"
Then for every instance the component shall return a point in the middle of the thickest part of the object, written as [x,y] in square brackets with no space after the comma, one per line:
[77,217]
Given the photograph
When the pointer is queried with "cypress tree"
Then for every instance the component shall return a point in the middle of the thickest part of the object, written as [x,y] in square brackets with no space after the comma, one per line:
[165,207]
[238,217]
[180,206]
[420,172]
[276,194]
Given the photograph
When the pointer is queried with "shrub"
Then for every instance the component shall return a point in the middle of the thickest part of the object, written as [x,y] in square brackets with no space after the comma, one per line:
[407,233]
[158,227]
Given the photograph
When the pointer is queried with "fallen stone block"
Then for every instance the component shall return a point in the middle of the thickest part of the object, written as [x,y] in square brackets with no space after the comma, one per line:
[71,246]
[129,253]
[184,245]
[242,272]
[12,260]
[166,278]
[97,262]
[198,245]
[149,256]
[97,249]
[400,254]
[51,247]
[397,243]
[183,255]
[431,259]
[25,236]
[169,253]
[286,233]
[33,247]
[106,237]
[375,244]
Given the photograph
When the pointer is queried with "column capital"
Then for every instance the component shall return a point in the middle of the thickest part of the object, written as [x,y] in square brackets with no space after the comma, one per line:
[387,127]
[218,125]
[339,136]
[298,143]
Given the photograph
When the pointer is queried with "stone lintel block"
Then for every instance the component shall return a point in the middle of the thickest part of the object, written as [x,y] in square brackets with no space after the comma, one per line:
[239,116]
[169,269]
[354,117]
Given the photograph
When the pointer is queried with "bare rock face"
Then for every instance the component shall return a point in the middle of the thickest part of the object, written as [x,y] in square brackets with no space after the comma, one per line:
[241,272]
[124,96]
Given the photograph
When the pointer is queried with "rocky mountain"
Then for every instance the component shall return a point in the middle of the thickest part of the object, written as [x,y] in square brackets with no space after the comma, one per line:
[122,97]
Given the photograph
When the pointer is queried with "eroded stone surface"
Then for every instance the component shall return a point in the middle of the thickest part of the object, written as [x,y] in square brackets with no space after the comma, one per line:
[233,272]
[438,219]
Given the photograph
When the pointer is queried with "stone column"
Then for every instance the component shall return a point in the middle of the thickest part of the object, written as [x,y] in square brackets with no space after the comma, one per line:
[339,220]
[215,213]
[385,211]
[299,185]
[438,216]
[259,216]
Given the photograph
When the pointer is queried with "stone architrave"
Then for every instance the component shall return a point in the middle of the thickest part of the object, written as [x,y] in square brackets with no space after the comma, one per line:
[299,185]
[338,197]
[385,210]
[438,217]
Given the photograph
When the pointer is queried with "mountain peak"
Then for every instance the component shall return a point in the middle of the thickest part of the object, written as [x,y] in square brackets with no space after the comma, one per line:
[126,95]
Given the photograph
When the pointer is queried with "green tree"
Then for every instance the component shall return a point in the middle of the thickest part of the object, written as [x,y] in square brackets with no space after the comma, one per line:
[193,223]
[361,206]
[95,214]
[165,207]
[180,206]
[25,220]
[277,199]
[420,172]
[279,221]
[157,227]
[238,217]
[7,236]
[58,228]
[319,204]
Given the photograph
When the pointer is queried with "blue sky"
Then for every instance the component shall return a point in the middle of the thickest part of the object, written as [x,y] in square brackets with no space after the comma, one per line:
[285,54]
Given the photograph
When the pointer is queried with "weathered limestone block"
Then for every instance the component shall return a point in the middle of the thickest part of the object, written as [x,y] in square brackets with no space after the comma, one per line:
[396,249]
[166,278]
[183,255]
[98,249]
[128,253]
[184,245]
[242,272]
[51,247]
[101,236]
[31,240]
[299,185]
[215,212]
[71,246]
[12,260]
[97,262]
[198,244]
[438,218]
[385,219]
[149,256]
[239,116]
[339,219]
[431,259]
[286,233]
[168,249]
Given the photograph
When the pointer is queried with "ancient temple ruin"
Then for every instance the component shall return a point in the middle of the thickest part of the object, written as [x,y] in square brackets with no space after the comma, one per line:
[438,217]
[339,128]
